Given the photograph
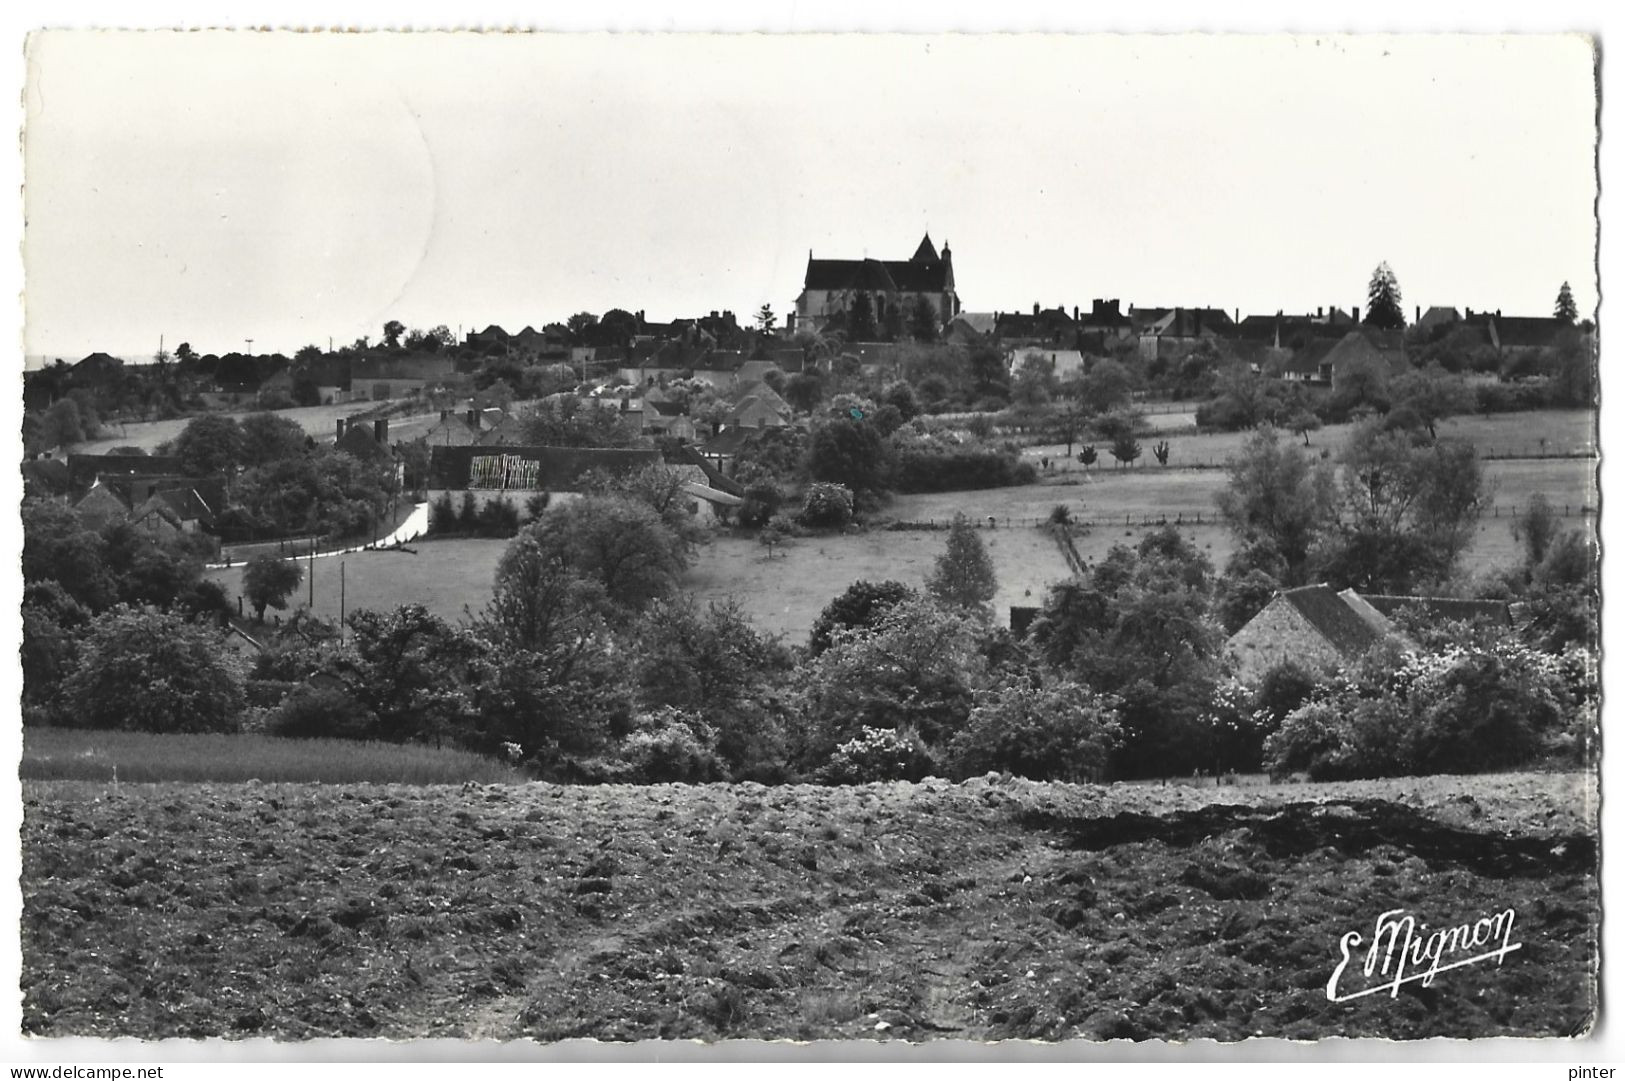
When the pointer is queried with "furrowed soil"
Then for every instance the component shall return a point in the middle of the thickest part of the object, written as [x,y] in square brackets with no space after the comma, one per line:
[986,910]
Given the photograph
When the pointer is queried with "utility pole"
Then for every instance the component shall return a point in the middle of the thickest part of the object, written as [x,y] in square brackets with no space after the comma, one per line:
[341,602]
[312,576]
[250,342]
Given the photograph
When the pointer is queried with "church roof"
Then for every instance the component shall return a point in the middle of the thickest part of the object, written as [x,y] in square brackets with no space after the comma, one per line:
[925,272]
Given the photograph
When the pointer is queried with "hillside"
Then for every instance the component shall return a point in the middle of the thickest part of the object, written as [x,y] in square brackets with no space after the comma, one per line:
[989,910]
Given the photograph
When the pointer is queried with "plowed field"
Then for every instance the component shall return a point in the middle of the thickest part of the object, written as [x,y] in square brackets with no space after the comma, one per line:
[987,910]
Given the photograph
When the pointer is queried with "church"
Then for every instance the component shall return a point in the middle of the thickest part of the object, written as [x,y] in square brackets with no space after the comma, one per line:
[892,286]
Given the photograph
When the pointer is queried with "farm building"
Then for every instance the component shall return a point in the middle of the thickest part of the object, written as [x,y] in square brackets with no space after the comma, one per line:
[1321,629]
[382,378]
[492,472]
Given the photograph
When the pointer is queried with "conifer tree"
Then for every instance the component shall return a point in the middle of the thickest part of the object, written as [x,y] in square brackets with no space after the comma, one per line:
[1385,309]
[963,576]
[1566,309]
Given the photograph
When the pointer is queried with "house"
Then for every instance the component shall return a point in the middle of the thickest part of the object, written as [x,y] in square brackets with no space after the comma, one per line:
[359,440]
[1320,629]
[517,472]
[1049,327]
[85,470]
[1436,317]
[1321,359]
[165,504]
[455,429]
[1174,332]
[101,506]
[1068,363]
[970,328]
[1312,626]
[667,418]
[381,378]
[831,285]
[1107,320]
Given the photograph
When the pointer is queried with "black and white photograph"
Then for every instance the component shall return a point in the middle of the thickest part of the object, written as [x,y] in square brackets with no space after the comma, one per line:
[946,539]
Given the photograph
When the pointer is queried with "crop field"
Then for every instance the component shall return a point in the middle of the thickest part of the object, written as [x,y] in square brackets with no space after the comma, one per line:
[1565,431]
[993,909]
[77,754]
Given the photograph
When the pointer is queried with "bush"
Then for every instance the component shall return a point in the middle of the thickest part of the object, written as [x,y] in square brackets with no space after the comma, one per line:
[443,515]
[153,672]
[962,468]
[864,604]
[499,518]
[1459,711]
[1062,732]
[878,754]
[320,713]
[670,747]
[827,506]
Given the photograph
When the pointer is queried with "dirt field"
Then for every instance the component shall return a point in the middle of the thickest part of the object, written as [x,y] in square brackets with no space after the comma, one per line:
[983,911]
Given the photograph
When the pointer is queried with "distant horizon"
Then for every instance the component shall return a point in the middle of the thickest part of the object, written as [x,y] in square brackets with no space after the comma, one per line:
[327,183]
[36,361]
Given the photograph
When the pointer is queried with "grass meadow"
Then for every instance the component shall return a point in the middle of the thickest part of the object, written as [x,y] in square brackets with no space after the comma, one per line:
[80,754]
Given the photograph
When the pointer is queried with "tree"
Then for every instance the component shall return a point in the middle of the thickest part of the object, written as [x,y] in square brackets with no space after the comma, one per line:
[1429,393]
[581,325]
[265,437]
[848,452]
[415,672]
[433,340]
[917,669]
[152,672]
[211,443]
[53,623]
[863,605]
[58,547]
[766,320]
[963,576]
[1405,512]
[1034,384]
[1139,626]
[1058,731]
[1161,451]
[1088,456]
[268,582]
[826,506]
[392,333]
[1537,528]
[184,353]
[1566,309]
[539,603]
[860,320]
[923,323]
[1106,386]
[1279,495]
[1302,423]
[1125,448]
[620,543]
[1385,309]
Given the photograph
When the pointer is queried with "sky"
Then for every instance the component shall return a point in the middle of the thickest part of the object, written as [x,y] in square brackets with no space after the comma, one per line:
[217,187]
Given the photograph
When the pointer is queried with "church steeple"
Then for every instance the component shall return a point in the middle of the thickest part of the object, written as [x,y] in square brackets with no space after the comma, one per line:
[926,252]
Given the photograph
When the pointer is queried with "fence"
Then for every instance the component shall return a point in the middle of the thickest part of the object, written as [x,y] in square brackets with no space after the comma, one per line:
[1191,518]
